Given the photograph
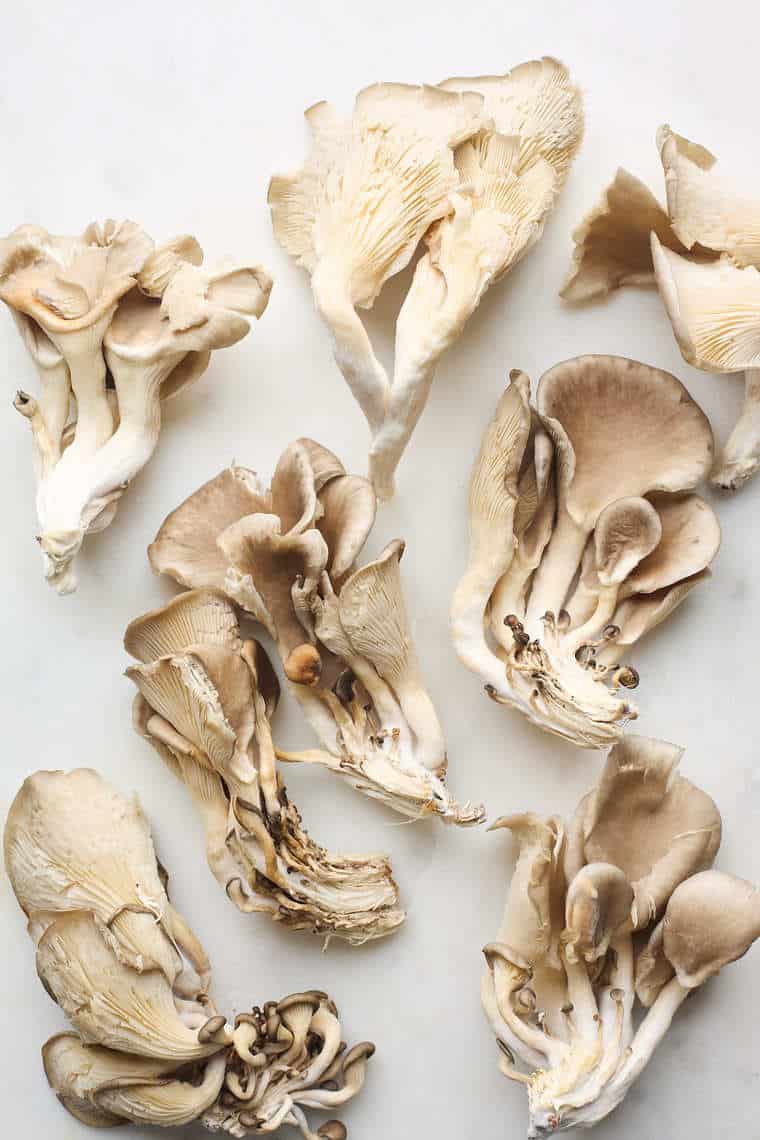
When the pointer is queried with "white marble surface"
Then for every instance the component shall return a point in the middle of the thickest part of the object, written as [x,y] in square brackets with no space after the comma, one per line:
[175,115]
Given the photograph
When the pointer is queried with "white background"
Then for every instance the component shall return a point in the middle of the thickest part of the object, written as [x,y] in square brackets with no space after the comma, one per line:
[175,115]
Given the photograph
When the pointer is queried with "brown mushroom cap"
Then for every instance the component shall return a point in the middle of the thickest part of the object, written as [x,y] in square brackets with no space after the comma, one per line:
[597,904]
[647,820]
[185,546]
[712,919]
[690,540]
[601,401]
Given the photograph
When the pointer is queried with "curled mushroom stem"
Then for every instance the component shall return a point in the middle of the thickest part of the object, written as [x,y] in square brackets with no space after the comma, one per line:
[45,449]
[740,456]
[556,572]
[600,618]
[353,351]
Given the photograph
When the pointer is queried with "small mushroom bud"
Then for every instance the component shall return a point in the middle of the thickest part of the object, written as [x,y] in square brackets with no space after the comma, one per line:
[303,665]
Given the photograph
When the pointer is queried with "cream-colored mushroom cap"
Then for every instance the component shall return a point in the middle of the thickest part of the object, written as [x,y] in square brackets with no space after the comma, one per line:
[600,401]
[712,919]
[714,310]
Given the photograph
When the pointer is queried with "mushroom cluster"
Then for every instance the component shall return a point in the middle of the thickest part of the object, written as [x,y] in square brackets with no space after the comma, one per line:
[703,253]
[286,555]
[149,1045]
[114,324]
[620,904]
[471,168]
[585,535]
[205,701]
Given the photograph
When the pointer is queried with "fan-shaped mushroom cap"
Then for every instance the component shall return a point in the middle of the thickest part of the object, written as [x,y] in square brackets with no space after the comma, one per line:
[185,546]
[647,820]
[162,264]
[704,209]
[197,617]
[612,243]
[537,103]
[601,400]
[639,614]
[103,1087]
[73,843]
[690,540]
[68,284]
[371,187]
[107,1002]
[597,904]
[714,310]
[349,505]
[712,919]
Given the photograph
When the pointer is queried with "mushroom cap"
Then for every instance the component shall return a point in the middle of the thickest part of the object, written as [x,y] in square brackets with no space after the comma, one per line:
[647,820]
[349,505]
[185,546]
[712,919]
[626,532]
[597,904]
[197,617]
[534,911]
[612,243]
[537,103]
[639,614]
[632,429]
[714,309]
[690,540]
[653,970]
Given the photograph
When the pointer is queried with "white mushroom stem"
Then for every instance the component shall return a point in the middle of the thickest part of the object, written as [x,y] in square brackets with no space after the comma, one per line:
[83,352]
[740,457]
[556,572]
[353,351]
[467,609]
[408,398]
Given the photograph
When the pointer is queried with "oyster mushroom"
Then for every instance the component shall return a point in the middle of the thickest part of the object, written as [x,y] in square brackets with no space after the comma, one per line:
[584,533]
[471,167]
[288,558]
[703,253]
[114,326]
[562,979]
[149,1046]
[205,700]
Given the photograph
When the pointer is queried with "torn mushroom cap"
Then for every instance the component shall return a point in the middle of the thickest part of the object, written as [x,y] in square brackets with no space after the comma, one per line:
[647,820]
[597,904]
[705,210]
[714,309]
[612,244]
[73,843]
[712,919]
[371,188]
[631,402]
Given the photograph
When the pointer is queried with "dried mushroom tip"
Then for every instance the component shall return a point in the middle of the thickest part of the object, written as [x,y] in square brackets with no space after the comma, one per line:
[287,555]
[584,535]
[114,325]
[149,1046]
[561,981]
[471,168]
[205,698]
[703,253]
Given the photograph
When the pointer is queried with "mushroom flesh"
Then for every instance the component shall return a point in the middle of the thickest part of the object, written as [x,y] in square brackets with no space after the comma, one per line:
[468,169]
[584,534]
[205,700]
[148,1044]
[703,252]
[114,326]
[286,555]
[565,971]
